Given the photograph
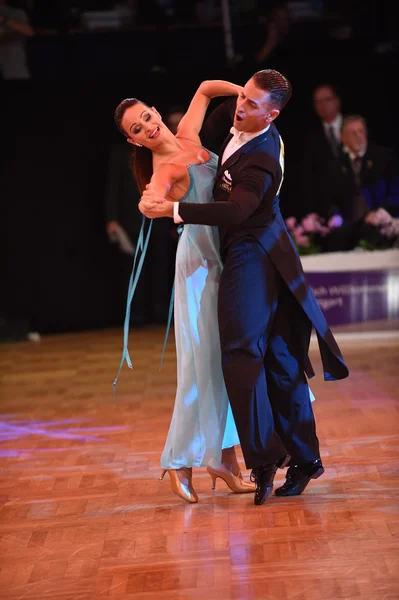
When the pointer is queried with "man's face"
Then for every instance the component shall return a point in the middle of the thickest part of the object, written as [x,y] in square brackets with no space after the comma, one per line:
[253,110]
[354,135]
[326,104]
[143,125]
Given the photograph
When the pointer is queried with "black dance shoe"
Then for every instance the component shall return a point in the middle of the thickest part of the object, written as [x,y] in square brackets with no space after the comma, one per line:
[298,478]
[263,477]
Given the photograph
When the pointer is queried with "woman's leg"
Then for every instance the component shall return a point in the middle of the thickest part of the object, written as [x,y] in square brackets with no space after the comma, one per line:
[229,460]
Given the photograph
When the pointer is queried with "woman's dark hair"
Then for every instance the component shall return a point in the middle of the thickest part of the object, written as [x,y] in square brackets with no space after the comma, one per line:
[142,157]
[276,84]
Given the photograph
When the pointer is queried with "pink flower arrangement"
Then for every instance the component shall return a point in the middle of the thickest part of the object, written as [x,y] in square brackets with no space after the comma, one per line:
[308,232]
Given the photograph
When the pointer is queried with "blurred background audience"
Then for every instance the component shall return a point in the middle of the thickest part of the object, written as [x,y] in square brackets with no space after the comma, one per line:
[364,176]
[361,179]
[14,29]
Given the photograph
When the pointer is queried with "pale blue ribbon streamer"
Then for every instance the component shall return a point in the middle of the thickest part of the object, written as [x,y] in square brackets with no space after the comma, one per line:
[142,245]
[171,304]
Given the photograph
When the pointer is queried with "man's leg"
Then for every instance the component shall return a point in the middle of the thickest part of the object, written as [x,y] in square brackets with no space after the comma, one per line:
[286,381]
[248,294]
[289,393]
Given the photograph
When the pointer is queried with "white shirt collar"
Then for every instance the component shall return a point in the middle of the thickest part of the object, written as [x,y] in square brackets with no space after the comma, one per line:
[242,137]
[352,155]
[336,125]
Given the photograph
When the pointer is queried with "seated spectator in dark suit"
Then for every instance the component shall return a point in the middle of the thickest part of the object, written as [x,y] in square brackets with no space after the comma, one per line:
[363,179]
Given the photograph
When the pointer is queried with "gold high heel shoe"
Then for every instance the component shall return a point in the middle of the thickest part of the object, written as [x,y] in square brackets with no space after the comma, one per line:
[185,491]
[236,483]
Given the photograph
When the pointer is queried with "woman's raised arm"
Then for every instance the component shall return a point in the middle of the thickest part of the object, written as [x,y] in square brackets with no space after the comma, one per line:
[190,125]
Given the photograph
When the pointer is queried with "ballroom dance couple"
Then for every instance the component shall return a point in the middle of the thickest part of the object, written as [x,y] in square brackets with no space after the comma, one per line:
[243,309]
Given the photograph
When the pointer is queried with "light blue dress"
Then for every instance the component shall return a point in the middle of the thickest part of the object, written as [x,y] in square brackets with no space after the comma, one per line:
[202,422]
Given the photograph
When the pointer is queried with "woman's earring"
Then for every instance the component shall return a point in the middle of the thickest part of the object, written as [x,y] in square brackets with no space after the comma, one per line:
[138,145]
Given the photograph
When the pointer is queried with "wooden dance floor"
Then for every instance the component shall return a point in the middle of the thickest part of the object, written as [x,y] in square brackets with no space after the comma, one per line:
[83,515]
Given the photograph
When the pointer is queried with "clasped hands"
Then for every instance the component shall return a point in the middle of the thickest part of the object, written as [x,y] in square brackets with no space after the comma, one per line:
[153,206]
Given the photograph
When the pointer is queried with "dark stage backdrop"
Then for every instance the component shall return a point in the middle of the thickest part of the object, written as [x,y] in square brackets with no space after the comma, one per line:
[56,131]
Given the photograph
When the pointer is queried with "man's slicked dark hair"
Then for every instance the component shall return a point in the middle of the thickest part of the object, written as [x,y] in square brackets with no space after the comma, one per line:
[276,84]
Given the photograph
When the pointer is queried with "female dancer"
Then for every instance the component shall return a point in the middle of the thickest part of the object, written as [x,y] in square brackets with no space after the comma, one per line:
[202,430]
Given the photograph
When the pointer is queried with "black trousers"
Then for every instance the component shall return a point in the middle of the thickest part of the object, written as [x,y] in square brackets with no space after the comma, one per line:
[262,359]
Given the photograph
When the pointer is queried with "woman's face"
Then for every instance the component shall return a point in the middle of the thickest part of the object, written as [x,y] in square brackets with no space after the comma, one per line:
[143,125]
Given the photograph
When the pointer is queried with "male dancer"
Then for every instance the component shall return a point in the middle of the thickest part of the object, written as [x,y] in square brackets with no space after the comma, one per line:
[266,308]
